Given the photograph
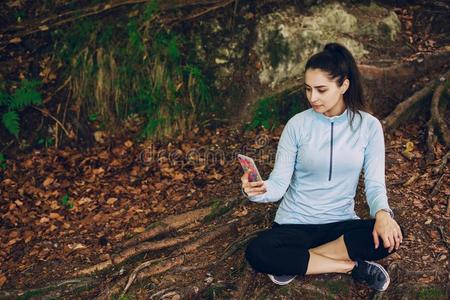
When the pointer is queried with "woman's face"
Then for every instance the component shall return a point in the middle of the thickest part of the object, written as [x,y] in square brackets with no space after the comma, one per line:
[323,93]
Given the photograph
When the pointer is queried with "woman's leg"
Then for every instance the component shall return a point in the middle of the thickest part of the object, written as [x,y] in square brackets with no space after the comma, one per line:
[282,250]
[319,264]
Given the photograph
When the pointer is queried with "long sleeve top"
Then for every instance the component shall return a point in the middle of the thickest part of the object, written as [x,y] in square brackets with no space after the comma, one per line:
[317,167]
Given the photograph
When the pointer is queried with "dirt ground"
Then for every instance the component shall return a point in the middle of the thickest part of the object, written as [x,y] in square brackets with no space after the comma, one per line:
[114,195]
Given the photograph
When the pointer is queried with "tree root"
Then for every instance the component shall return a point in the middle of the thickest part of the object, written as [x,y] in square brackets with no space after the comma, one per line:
[393,119]
[177,258]
[169,224]
[133,251]
[68,285]
[436,122]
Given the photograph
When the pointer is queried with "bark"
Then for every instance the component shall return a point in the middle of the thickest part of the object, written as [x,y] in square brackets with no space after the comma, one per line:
[169,224]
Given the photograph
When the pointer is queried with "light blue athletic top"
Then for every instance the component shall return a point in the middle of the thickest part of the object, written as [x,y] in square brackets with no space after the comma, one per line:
[317,167]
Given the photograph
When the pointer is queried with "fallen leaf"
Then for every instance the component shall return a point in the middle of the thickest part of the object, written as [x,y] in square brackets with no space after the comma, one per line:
[111,201]
[139,230]
[56,216]
[77,246]
[128,144]
[15,40]
[2,280]
[49,180]
[43,27]
[18,202]
[44,220]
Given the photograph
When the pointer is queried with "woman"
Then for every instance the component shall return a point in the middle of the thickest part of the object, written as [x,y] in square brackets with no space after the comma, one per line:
[320,155]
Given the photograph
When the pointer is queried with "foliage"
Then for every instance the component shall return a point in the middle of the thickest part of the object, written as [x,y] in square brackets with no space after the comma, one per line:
[25,95]
[2,161]
[432,293]
[272,111]
[277,47]
[65,201]
[135,65]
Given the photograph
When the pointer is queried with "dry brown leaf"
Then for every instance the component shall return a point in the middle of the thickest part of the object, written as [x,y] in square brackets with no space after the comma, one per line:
[128,144]
[139,230]
[111,201]
[49,180]
[18,202]
[28,236]
[98,171]
[44,220]
[56,216]
[2,280]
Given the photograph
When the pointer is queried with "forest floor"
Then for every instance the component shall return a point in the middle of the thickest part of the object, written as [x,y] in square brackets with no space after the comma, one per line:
[63,210]
[67,210]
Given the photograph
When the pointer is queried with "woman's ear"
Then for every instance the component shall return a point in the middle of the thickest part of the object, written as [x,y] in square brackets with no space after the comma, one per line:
[345,85]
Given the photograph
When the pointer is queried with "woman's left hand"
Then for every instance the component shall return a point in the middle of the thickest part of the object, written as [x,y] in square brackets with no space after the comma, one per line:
[389,231]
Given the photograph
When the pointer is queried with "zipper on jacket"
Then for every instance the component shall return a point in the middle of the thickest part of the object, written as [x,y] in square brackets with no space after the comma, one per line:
[331,153]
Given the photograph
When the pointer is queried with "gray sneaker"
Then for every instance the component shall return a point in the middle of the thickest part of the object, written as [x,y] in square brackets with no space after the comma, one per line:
[372,274]
[281,279]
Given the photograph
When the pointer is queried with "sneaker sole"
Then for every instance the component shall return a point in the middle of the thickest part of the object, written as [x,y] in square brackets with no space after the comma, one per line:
[280,282]
[385,286]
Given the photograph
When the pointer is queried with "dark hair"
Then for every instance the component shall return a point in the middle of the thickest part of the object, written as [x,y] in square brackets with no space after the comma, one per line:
[336,60]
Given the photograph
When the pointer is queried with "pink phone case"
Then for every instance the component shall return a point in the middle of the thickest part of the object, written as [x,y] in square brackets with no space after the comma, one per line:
[248,164]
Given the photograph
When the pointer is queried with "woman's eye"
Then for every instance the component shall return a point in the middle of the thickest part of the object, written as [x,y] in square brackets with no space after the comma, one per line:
[322,91]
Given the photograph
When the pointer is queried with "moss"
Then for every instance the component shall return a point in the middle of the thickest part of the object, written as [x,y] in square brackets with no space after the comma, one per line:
[432,293]
[277,47]
[390,26]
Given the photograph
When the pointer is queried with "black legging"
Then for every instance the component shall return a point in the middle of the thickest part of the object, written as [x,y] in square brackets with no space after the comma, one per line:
[283,249]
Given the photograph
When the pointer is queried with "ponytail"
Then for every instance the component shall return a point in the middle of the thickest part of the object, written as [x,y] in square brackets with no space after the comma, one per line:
[336,60]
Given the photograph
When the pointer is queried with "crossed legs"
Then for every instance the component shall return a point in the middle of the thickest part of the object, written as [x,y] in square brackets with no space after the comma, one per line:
[331,257]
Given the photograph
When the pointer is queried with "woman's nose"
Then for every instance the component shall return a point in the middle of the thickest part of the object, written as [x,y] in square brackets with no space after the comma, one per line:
[314,97]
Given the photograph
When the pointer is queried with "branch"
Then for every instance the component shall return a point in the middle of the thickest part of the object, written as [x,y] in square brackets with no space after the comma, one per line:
[15,33]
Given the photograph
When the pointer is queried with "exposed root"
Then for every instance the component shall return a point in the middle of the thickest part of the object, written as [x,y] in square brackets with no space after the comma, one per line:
[437,186]
[169,224]
[436,117]
[68,285]
[436,121]
[249,276]
[393,119]
[135,250]
[177,258]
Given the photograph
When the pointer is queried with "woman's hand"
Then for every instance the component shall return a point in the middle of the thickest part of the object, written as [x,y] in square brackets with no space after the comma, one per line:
[389,231]
[252,188]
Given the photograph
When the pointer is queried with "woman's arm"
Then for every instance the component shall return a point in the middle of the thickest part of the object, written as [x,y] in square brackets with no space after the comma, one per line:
[374,173]
[374,179]
[281,175]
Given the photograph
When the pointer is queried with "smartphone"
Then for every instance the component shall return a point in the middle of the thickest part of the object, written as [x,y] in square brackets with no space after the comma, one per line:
[249,165]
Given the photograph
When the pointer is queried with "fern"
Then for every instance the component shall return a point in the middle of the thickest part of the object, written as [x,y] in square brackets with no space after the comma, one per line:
[11,122]
[5,99]
[26,95]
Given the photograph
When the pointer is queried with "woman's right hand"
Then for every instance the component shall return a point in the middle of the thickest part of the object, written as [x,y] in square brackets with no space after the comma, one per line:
[252,188]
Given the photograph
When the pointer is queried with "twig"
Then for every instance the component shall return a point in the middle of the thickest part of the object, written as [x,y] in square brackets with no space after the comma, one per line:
[47,113]
[204,12]
[437,186]
[444,239]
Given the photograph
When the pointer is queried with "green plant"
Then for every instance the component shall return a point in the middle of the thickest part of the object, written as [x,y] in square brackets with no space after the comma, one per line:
[66,202]
[432,293]
[266,114]
[2,161]
[24,96]
[135,65]
[46,142]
